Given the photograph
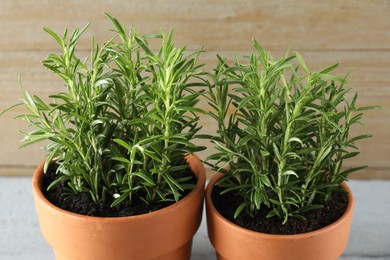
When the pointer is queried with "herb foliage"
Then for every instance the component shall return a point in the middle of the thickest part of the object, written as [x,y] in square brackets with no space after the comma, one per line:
[125,120]
[283,132]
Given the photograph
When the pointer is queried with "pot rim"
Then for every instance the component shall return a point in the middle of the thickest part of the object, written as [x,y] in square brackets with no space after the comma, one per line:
[334,225]
[195,165]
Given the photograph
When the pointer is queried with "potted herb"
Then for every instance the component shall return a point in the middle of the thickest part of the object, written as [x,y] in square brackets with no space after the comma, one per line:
[122,180]
[283,135]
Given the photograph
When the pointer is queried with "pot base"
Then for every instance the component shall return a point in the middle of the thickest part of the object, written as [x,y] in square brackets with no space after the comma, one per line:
[155,235]
[233,242]
[184,252]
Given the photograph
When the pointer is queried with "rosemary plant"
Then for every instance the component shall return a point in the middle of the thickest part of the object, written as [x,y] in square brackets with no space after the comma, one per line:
[125,120]
[283,133]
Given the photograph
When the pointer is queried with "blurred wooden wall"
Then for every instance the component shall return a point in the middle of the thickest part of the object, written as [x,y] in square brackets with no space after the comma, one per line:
[354,33]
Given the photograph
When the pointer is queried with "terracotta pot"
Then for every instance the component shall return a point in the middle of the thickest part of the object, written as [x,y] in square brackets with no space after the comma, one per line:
[234,242]
[163,234]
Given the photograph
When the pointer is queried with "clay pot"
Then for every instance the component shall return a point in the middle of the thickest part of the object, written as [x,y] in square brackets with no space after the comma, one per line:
[234,242]
[163,234]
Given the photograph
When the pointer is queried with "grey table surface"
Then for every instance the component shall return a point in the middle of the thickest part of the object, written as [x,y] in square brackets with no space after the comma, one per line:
[20,237]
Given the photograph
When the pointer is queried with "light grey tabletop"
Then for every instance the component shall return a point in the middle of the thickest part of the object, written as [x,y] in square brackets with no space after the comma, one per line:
[21,239]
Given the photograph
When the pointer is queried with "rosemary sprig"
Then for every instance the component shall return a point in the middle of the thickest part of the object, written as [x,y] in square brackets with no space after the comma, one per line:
[283,132]
[125,120]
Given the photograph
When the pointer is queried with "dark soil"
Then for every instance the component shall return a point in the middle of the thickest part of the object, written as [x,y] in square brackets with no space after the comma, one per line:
[82,203]
[226,204]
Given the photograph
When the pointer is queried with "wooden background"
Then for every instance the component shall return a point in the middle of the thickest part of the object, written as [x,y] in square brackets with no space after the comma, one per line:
[354,33]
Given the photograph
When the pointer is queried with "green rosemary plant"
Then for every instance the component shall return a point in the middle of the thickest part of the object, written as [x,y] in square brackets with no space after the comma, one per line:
[283,133]
[126,117]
